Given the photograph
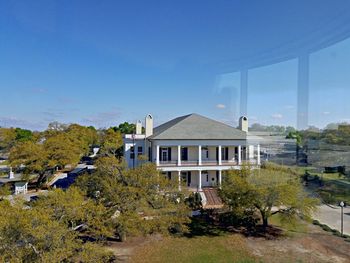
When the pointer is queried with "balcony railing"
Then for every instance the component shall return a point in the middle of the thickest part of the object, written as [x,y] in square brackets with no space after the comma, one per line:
[205,162]
[168,163]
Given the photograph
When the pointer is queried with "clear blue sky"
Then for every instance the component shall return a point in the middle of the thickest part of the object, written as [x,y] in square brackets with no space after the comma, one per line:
[105,62]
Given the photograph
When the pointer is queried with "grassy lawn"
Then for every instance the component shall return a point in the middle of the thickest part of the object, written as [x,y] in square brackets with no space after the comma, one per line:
[209,243]
[225,248]
[335,188]
[290,228]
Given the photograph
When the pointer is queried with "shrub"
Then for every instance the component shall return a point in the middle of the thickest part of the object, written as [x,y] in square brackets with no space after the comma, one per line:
[326,228]
[316,222]
[336,233]
[246,219]
[327,197]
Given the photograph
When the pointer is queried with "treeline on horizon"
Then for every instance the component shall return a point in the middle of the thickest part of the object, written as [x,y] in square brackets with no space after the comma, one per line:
[11,136]
[333,133]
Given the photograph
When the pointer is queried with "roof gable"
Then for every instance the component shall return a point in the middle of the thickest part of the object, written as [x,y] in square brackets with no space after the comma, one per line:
[196,127]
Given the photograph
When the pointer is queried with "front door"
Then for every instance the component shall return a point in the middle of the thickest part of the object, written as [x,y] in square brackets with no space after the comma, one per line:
[184,154]
[205,154]
[164,155]
[205,178]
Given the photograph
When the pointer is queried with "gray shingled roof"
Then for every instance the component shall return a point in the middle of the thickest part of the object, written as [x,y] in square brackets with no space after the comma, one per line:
[196,127]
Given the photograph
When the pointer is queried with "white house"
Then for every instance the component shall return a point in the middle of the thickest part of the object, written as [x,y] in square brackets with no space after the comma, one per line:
[192,149]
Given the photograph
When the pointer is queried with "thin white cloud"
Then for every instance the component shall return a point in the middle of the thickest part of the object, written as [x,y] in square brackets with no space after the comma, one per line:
[289,107]
[103,119]
[326,113]
[52,113]
[39,90]
[221,106]
[66,100]
[277,116]
[252,118]
[20,123]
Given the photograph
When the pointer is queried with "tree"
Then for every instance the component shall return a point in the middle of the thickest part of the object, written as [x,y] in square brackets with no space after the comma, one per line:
[7,138]
[268,191]
[30,235]
[82,136]
[126,128]
[4,190]
[33,156]
[41,158]
[23,135]
[111,143]
[75,210]
[62,150]
[57,147]
[141,199]
[295,135]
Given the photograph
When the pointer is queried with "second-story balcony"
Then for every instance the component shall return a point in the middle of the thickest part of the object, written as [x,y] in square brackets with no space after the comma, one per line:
[179,156]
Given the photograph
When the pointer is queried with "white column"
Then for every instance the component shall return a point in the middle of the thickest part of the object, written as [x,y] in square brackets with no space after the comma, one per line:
[220,173]
[179,177]
[179,155]
[258,154]
[11,174]
[252,152]
[239,155]
[199,180]
[219,154]
[199,154]
[157,155]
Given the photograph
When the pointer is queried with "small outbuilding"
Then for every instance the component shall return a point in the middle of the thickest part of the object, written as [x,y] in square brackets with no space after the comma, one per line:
[21,188]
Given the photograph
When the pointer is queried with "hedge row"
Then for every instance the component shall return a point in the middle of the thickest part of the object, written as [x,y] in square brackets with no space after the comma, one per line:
[333,231]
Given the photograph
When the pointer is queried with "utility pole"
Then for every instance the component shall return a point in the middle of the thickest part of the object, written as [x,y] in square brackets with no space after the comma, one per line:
[341,217]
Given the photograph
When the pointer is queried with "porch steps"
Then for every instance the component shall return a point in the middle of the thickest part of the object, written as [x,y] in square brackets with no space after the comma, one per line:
[213,201]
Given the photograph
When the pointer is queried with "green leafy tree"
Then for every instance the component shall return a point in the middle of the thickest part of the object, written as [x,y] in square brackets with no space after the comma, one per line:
[4,190]
[82,136]
[126,128]
[295,135]
[111,142]
[74,210]
[7,138]
[61,150]
[23,135]
[42,157]
[58,146]
[33,156]
[30,235]
[141,200]
[268,191]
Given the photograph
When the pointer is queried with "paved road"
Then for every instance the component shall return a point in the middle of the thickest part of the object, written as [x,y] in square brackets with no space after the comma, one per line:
[331,217]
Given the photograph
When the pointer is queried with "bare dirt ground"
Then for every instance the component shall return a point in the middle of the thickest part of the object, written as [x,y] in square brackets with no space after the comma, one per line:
[316,246]
[124,250]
